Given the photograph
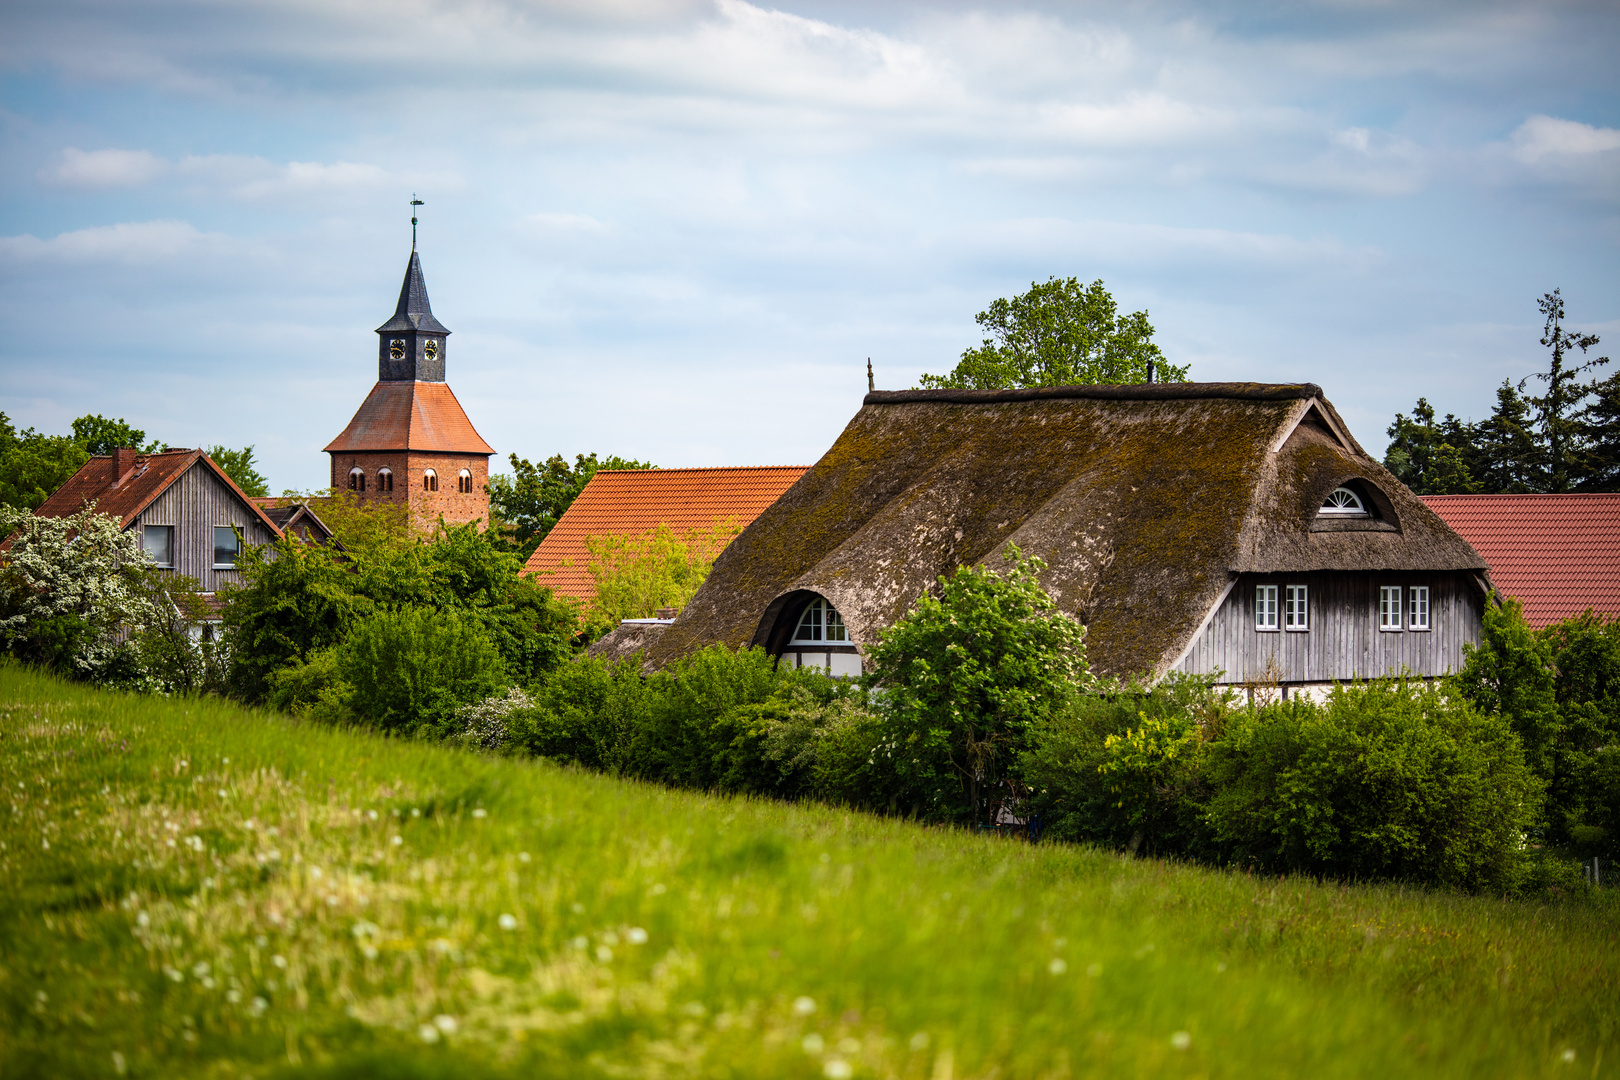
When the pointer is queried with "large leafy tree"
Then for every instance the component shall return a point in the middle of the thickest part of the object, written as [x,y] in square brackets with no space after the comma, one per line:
[240,467]
[636,575]
[1060,333]
[964,674]
[524,506]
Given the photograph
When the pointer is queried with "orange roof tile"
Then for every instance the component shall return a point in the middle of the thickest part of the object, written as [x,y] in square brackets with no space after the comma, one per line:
[126,496]
[410,416]
[1556,554]
[630,502]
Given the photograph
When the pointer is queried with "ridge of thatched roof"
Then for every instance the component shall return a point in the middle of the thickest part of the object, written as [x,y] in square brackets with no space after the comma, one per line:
[1144,501]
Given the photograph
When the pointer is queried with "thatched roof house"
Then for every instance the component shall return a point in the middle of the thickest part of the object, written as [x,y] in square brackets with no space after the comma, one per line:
[1164,513]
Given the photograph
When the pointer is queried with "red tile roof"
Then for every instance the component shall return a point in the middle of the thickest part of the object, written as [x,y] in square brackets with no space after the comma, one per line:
[410,416]
[1557,554]
[630,502]
[147,477]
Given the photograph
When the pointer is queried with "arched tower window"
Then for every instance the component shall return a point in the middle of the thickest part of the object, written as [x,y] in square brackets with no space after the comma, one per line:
[464,482]
[1343,501]
[385,479]
[430,480]
[357,480]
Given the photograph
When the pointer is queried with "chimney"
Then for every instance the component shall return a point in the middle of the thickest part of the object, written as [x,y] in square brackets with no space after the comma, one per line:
[123,463]
[665,612]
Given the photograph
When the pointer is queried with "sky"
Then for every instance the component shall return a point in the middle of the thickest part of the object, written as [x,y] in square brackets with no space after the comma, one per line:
[676,231]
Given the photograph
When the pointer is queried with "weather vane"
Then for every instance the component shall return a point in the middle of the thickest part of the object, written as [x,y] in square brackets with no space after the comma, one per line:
[415,202]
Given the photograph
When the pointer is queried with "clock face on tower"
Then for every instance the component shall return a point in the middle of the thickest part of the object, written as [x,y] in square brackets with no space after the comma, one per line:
[396,349]
[431,349]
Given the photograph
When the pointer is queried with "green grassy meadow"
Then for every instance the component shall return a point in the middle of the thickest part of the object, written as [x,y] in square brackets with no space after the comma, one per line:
[194,889]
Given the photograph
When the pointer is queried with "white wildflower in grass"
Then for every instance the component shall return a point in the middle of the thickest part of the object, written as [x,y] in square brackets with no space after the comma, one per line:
[428,1033]
[1058,965]
[372,814]
[445,1023]
[813,1043]
[120,1066]
[507,921]
[580,942]
[279,961]
[919,1042]
[804,1006]
[636,936]
[604,954]
[480,813]
[398,840]
[257,1006]
[837,1069]
[1181,1040]
[1568,1056]
[174,974]
[523,856]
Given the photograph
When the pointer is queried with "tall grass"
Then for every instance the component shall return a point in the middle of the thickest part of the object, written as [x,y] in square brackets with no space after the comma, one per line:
[194,889]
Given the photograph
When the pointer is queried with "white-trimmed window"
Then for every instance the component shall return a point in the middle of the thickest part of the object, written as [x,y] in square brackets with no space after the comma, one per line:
[1343,501]
[357,479]
[820,622]
[1296,609]
[227,546]
[430,480]
[464,482]
[1265,607]
[158,542]
[1418,607]
[1389,607]
[385,479]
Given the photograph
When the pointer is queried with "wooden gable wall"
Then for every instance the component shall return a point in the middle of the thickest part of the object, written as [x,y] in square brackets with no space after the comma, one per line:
[194,504]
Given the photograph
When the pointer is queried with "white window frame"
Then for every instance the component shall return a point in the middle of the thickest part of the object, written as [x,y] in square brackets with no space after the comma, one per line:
[385,479]
[1352,503]
[1390,609]
[165,565]
[1296,608]
[1418,614]
[826,619]
[238,538]
[1266,610]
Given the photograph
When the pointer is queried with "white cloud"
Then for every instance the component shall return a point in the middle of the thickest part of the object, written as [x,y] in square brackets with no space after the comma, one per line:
[103,169]
[1543,137]
[132,243]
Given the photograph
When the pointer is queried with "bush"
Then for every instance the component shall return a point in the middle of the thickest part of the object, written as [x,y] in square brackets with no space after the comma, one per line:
[1388,779]
[409,671]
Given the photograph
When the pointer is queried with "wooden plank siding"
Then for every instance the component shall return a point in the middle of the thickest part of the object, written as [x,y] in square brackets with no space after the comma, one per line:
[194,504]
[1344,640]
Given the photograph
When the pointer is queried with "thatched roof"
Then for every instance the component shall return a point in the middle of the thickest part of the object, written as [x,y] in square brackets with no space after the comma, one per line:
[1144,501]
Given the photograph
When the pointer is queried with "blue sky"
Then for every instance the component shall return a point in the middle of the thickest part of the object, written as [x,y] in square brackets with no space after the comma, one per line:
[676,230]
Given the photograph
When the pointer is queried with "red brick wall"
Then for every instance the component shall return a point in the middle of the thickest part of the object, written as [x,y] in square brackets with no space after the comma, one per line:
[409,467]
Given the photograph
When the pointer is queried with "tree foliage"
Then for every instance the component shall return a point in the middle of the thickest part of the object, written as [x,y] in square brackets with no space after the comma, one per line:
[524,506]
[1060,333]
[1566,438]
[635,576]
[240,467]
[966,673]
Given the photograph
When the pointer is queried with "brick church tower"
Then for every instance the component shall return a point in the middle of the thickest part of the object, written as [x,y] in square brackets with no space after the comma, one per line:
[411,442]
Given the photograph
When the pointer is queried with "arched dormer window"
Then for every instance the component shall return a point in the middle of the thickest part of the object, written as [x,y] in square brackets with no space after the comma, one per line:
[385,479]
[464,482]
[1343,502]
[357,480]
[820,622]
[430,480]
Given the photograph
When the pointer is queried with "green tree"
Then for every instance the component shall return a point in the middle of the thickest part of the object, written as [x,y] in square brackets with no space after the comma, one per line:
[965,674]
[637,575]
[1602,418]
[32,466]
[100,436]
[1560,411]
[524,506]
[239,466]
[1060,333]
[1510,459]
[409,671]
[1431,457]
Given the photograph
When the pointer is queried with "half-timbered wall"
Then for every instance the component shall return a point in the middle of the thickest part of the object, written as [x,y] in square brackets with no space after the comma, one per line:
[194,504]
[1344,640]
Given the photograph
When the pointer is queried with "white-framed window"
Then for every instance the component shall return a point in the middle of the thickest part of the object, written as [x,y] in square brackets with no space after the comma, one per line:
[227,546]
[464,482]
[1296,609]
[1389,607]
[158,542]
[357,479]
[430,480]
[1418,607]
[1343,500]
[385,479]
[820,622]
[1265,607]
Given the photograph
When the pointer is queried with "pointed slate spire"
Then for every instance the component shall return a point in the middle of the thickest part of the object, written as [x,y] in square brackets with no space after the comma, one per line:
[413,311]
[411,345]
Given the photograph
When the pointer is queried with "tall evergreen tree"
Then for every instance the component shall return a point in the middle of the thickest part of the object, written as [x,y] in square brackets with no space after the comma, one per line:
[1509,455]
[1560,412]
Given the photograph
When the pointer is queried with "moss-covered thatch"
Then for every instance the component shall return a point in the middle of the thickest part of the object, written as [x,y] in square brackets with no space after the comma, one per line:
[1142,500]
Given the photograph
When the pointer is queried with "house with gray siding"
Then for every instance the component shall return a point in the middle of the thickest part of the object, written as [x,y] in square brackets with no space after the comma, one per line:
[1234,530]
[191,518]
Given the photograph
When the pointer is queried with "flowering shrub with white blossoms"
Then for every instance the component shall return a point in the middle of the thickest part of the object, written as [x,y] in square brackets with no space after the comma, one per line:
[68,587]
[483,723]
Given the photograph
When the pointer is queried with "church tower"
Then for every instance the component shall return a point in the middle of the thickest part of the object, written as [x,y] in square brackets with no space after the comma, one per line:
[411,441]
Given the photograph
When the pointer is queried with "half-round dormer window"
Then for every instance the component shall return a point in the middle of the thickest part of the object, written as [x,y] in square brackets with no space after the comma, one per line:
[1342,501]
[820,622]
